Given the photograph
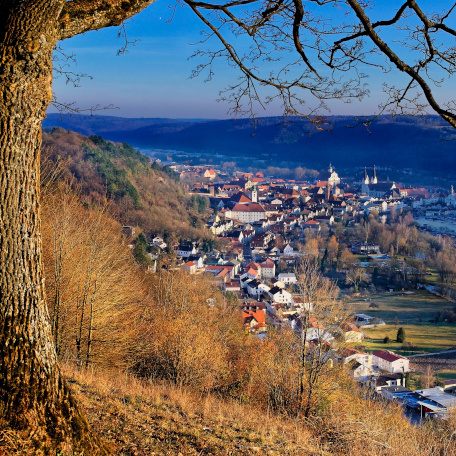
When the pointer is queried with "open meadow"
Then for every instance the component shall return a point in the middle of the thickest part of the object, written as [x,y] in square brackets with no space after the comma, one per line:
[416,312]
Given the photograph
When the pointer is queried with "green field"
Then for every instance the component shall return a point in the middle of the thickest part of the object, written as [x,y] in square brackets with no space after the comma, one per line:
[425,338]
[414,311]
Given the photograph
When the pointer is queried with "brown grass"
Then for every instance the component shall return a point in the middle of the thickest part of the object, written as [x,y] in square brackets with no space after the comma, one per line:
[138,418]
[144,418]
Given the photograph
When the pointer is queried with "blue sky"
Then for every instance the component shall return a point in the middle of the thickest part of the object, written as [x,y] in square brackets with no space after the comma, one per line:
[153,78]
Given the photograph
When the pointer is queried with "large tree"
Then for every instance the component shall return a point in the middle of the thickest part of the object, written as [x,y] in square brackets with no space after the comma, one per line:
[34,398]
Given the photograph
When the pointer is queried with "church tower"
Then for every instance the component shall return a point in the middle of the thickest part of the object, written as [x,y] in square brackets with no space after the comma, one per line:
[366,177]
[330,169]
[374,177]
[254,194]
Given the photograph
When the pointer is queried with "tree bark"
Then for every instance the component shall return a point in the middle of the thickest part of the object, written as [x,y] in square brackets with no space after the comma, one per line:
[34,398]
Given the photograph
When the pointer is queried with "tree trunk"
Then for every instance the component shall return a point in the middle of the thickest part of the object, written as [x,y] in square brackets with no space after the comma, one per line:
[34,398]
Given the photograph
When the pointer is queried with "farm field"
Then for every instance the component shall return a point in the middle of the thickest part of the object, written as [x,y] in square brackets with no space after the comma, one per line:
[424,338]
[414,311]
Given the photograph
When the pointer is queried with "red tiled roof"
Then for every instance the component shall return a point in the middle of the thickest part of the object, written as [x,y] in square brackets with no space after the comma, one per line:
[251,207]
[350,327]
[387,355]
[223,272]
[259,315]
[219,266]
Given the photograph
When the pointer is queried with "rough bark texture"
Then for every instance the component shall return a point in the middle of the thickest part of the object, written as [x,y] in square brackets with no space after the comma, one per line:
[34,399]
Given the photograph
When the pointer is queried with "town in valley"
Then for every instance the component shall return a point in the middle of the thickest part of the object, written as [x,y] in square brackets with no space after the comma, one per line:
[389,248]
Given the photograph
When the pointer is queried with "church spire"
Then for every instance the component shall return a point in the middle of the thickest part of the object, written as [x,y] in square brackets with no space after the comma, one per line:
[366,177]
[330,169]
[374,177]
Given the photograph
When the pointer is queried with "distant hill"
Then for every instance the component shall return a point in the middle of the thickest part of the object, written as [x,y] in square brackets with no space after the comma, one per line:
[98,124]
[401,142]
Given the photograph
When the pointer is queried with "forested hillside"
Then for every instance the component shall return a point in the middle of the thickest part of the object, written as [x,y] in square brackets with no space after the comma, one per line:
[117,176]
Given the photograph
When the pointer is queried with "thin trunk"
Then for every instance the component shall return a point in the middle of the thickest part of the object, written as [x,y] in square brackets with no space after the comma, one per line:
[89,334]
[34,398]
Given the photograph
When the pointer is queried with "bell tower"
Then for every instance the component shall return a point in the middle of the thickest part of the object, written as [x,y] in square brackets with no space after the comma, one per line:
[254,194]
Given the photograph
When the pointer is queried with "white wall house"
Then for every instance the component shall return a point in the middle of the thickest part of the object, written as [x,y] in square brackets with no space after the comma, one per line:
[185,251]
[267,270]
[279,295]
[287,277]
[390,362]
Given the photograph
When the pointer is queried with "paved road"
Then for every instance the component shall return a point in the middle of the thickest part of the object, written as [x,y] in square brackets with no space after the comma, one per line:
[432,354]
[247,254]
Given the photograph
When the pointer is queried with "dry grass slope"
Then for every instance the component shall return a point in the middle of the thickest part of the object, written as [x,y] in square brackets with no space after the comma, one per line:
[141,418]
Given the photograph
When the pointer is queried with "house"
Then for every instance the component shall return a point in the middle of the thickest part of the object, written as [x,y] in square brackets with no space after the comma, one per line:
[157,241]
[390,362]
[328,219]
[233,286]
[256,288]
[315,332]
[351,333]
[190,267]
[198,260]
[302,304]
[185,250]
[277,283]
[288,250]
[267,269]
[279,295]
[312,224]
[255,321]
[449,386]
[209,173]
[250,274]
[223,272]
[287,278]
[364,319]
[377,382]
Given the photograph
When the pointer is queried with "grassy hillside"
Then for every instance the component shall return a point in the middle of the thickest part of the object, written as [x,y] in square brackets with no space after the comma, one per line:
[141,418]
[116,175]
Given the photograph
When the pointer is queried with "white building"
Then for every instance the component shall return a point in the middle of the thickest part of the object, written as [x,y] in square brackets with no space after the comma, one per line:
[250,212]
[390,362]
[281,296]
[287,277]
